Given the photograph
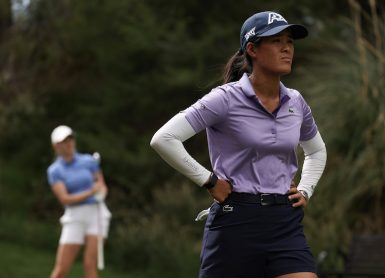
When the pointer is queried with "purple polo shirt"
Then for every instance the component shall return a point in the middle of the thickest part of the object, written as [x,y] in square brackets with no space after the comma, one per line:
[254,149]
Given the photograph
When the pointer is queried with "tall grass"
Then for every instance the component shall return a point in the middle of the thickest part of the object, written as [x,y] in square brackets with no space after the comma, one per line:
[346,90]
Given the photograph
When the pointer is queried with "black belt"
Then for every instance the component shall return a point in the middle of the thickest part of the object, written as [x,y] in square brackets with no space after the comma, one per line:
[264,199]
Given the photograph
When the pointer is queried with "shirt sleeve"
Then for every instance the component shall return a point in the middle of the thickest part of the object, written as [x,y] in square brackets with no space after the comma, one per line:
[53,176]
[314,163]
[209,110]
[168,142]
[308,128]
[93,164]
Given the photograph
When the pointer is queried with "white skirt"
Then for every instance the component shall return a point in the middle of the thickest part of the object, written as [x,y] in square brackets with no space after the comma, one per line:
[83,220]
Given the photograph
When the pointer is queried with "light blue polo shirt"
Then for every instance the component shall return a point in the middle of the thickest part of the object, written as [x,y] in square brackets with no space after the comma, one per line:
[77,175]
[254,149]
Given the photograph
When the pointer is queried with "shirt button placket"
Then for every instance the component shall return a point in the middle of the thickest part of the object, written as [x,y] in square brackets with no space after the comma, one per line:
[274,131]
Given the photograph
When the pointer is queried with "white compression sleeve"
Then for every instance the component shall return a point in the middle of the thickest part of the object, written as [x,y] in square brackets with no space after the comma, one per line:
[168,142]
[314,163]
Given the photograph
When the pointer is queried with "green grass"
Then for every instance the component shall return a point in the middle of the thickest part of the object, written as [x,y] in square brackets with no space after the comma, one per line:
[18,261]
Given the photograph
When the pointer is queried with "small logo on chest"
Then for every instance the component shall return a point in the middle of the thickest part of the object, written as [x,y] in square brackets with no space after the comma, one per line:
[291,110]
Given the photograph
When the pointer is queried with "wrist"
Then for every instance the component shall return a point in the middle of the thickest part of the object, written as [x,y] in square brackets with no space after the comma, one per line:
[304,194]
[211,182]
[93,190]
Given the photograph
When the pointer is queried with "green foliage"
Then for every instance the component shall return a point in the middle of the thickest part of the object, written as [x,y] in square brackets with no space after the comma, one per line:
[117,70]
[345,89]
[5,16]
[162,237]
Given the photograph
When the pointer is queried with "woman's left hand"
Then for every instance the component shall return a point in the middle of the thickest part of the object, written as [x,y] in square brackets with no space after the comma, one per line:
[297,198]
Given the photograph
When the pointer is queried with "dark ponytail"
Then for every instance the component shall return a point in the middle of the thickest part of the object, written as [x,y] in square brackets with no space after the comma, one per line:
[237,65]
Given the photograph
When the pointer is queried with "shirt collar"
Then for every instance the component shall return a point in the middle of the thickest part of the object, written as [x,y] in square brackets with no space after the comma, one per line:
[248,89]
[76,155]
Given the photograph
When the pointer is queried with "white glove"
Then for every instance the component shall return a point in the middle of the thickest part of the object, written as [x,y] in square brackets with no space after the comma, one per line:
[202,215]
[100,196]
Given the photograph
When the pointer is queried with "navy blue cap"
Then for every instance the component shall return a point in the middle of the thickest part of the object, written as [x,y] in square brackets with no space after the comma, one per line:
[267,24]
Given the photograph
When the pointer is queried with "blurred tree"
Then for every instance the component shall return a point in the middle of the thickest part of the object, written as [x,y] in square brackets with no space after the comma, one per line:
[5,16]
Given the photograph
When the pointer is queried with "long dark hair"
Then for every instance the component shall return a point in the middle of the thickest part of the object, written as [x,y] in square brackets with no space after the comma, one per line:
[238,64]
[235,67]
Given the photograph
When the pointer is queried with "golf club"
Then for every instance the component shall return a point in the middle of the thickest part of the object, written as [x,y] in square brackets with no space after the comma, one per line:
[100,258]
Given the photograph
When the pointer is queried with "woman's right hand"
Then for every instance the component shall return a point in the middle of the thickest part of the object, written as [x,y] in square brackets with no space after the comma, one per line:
[220,191]
[97,187]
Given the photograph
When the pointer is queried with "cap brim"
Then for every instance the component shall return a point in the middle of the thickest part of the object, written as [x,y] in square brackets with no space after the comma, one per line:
[297,31]
[62,137]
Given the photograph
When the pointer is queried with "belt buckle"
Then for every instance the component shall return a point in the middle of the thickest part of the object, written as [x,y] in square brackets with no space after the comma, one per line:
[264,202]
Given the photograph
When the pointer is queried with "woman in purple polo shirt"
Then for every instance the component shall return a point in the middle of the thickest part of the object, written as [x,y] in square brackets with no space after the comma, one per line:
[254,125]
[78,183]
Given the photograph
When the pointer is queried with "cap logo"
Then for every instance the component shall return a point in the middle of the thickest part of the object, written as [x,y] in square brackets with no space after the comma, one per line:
[275,17]
[250,33]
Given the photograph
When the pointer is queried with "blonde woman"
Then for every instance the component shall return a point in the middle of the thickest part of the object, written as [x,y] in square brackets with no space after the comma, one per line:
[78,183]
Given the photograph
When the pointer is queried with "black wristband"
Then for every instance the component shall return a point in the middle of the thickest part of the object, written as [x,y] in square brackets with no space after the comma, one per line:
[211,182]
